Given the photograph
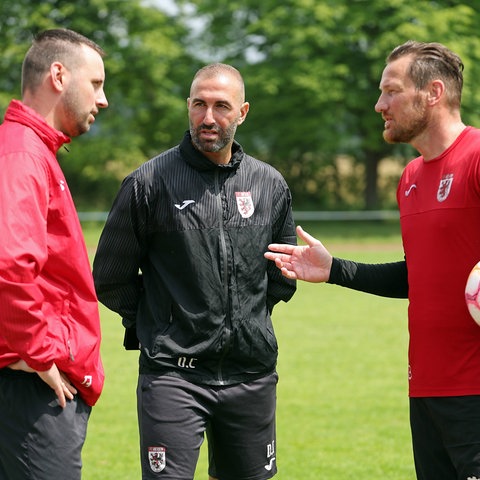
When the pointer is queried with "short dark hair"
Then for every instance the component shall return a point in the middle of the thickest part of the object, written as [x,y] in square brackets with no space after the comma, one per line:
[50,46]
[432,61]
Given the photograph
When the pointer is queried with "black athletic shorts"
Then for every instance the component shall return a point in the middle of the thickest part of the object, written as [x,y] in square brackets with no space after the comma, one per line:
[38,439]
[446,437]
[239,420]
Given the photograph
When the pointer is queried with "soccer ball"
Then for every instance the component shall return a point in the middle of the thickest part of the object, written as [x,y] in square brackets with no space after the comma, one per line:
[472,293]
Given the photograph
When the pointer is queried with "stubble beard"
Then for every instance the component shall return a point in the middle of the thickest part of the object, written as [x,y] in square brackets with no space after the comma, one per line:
[225,137]
[416,124]
[77,119]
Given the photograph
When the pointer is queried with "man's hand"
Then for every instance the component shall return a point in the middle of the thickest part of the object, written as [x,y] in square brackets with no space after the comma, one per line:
[311,263]
[55,379]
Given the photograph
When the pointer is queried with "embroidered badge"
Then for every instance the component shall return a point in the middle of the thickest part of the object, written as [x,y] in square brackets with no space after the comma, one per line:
[444,187]
[245,204]
[156,458]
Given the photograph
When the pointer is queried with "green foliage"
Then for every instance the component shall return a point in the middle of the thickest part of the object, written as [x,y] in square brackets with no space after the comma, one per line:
[312,70]
[146,68]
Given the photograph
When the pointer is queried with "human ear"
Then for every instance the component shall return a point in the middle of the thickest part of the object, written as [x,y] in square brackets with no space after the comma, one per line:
[57,75]
[435,92]
[243,112]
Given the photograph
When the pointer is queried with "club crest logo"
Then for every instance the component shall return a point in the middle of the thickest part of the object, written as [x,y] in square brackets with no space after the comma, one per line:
[444,187]
[156,458]
[245,204]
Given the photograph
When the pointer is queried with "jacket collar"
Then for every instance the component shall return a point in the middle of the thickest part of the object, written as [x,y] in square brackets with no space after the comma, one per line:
[200,162]
[20,113]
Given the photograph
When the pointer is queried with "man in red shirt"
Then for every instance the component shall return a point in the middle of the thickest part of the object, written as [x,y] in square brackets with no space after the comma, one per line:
[50,368]
[439,201]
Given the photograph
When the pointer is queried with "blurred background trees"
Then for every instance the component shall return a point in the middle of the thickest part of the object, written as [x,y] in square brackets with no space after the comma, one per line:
[311,68]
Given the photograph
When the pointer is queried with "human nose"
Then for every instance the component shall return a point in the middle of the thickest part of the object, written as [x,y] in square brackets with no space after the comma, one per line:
[380,106]
[102,101]
[208,119]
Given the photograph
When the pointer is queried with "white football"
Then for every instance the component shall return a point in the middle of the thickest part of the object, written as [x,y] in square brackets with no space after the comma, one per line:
[472,293]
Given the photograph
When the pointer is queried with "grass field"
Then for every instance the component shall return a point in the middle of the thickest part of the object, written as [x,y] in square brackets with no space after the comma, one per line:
[342,395]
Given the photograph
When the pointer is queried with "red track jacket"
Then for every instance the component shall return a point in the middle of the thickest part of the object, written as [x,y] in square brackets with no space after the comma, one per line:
[48,306]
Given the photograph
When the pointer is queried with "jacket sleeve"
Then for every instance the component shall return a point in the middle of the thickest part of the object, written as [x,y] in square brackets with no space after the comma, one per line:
[118,282]
[279,287]
[23,255]
[383,279]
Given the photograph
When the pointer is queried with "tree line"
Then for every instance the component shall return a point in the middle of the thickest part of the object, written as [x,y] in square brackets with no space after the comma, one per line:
[311,68]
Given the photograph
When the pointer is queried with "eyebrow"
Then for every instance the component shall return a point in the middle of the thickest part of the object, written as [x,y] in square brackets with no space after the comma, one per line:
[391,83]
[199,99]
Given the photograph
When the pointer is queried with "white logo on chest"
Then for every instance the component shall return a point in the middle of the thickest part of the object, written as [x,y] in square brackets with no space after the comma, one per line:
[245,204]
[184,204]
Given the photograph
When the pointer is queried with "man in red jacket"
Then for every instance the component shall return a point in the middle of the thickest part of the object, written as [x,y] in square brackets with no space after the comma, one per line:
[50,368]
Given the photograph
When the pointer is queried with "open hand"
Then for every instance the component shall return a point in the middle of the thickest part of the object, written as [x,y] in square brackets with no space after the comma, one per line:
[311,262]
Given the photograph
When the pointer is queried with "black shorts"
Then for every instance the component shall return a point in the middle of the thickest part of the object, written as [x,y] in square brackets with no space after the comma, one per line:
[446,437]
[38,439]
[239,420]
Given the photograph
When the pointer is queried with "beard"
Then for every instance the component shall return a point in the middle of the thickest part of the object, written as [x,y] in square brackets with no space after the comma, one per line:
[76,118]
[224,138]
[416,124]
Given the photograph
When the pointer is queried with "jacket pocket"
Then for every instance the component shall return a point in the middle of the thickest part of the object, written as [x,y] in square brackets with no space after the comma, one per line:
[59,333]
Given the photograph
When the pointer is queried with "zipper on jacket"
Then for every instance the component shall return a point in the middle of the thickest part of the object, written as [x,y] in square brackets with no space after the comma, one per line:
[224,255]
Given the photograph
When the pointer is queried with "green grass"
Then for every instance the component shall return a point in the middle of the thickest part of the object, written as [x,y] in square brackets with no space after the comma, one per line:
[342,395]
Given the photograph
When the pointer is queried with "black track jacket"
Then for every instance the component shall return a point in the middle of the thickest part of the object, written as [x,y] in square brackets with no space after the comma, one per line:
[181,258]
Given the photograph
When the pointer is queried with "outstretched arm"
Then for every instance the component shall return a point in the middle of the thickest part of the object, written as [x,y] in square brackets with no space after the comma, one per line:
[311,262]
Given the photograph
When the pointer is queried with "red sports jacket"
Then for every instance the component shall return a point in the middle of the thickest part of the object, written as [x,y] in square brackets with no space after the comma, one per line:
[48,306]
